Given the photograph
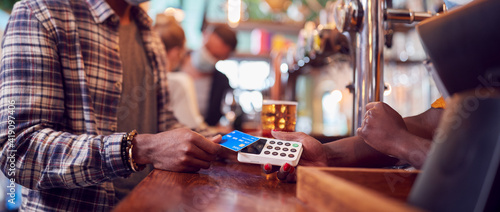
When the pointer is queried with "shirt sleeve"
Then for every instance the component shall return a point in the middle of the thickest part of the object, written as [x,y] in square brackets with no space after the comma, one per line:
[439,103]
[38,151]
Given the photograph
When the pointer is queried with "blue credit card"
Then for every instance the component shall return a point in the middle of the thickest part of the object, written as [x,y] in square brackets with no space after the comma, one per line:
[237,140]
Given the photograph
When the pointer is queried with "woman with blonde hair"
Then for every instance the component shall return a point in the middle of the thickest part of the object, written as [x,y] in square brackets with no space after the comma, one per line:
[181,86]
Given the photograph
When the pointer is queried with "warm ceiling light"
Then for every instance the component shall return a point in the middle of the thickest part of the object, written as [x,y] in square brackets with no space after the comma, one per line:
[278,5]
[233,12]
[336,96]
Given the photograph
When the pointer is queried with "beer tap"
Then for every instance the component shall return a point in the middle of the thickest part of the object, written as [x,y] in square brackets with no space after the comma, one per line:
[405,16]
[363,20]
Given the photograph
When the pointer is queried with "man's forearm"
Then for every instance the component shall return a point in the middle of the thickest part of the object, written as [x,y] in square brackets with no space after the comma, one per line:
[353,151]
[53,159]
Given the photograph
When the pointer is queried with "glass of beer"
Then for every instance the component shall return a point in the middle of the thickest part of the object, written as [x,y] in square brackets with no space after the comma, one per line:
[278,115]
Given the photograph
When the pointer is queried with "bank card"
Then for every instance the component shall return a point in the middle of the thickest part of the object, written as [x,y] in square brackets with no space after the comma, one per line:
[237,140]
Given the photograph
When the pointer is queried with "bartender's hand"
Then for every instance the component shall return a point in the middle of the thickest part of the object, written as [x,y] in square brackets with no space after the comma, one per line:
[313,154]
[383,128]
[180,150]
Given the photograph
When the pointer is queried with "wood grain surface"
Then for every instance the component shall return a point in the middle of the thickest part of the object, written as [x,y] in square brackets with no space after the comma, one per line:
[355,189]
[223,187]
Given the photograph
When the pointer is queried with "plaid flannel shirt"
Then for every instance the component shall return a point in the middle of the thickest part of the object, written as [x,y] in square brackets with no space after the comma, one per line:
[60,82]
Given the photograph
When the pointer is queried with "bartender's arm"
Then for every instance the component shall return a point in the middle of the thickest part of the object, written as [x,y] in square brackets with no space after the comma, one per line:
[351,151]
[413,141]
[407,139]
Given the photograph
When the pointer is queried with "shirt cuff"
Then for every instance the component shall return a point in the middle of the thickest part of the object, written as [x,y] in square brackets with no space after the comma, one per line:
[113,158]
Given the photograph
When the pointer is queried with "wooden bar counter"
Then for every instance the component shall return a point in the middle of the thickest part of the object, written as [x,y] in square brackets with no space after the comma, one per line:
[228,186]
[233,186]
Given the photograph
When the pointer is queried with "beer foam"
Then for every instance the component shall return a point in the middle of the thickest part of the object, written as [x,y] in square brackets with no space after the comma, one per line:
[278,102]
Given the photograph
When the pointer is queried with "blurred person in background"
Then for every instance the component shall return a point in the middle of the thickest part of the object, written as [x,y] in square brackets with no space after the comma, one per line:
[211,86]
[181,85]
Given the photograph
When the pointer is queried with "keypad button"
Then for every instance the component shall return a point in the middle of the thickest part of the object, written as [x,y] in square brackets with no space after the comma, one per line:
[272,142]
[285,149]
[291,155]
[293,150]
[267,152]
[277,148]
[287,144]
[280,143]
[282,154]
[295,145]
[275,153]
[269,147]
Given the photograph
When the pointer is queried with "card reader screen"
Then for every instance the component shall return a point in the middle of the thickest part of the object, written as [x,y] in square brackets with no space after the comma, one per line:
[256,147]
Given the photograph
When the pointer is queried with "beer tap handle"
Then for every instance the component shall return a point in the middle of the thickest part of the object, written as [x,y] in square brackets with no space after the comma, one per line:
[405,16]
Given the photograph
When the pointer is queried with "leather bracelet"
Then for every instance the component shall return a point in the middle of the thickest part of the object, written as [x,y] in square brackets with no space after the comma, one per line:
[131,162]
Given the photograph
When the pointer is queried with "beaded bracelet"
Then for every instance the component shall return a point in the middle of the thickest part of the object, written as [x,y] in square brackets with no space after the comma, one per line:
[123,151]
[132,165]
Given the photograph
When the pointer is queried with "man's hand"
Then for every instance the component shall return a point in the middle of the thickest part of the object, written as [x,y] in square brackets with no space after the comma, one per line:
[179,150]
[383,128]
[313,154]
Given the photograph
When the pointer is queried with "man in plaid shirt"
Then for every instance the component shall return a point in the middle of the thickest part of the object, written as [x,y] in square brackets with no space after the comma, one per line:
[62,81]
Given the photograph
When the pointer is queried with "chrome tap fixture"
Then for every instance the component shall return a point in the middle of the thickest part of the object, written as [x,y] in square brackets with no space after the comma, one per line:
[364,19]
[405,16]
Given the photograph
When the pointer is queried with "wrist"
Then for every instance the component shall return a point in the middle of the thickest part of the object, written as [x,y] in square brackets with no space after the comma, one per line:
[324,157]
[402,145]
[141,149]
[332,157]
[127,151]
[414,150]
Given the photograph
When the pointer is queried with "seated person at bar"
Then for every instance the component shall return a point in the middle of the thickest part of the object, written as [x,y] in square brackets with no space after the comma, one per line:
[384,139]
[75,77]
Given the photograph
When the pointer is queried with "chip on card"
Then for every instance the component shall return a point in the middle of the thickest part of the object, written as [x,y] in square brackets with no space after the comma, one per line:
[237,140]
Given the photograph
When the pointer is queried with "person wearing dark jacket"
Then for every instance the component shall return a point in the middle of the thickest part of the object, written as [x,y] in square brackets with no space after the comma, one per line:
[219,42]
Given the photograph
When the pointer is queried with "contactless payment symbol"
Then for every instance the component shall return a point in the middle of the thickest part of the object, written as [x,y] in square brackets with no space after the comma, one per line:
[237,140]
